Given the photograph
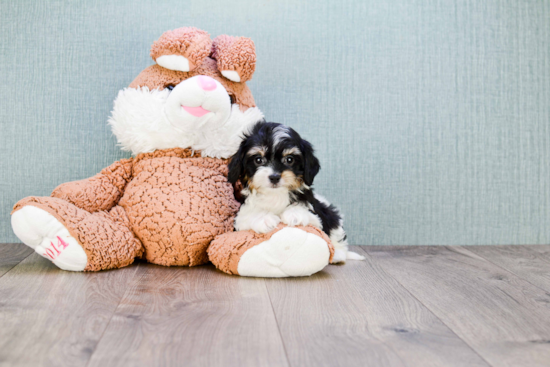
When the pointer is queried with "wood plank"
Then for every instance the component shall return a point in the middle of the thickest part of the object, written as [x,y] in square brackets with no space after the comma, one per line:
[12,254]
[51,317]
[527,262]
[357,315]
[504,318]
[543,250]
[195,317]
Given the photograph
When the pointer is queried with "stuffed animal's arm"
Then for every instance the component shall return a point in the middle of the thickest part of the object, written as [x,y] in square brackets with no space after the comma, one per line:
[100,192]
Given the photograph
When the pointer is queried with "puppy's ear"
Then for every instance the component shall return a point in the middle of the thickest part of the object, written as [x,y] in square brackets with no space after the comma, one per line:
[236,165]
[311,163]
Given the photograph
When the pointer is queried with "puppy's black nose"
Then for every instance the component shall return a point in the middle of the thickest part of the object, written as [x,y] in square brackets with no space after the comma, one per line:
[275,178]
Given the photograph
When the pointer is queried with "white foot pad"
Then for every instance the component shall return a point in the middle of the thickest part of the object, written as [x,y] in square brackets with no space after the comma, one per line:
[290,252]
[40,231]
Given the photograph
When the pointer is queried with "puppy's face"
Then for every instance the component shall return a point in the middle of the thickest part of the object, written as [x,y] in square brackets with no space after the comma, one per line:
[274,167]
[274,156]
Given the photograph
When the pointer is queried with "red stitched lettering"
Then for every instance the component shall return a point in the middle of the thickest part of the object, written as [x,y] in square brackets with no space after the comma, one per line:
[62,243]
[50,253]
[55,248]
[54,251]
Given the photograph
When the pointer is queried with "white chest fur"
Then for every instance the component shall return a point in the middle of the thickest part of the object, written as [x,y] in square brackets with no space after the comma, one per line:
[276,201]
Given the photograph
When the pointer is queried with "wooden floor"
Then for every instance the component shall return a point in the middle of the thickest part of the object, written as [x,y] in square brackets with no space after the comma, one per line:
[403,306]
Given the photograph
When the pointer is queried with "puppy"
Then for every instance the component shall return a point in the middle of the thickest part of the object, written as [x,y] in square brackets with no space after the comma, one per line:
[276,168]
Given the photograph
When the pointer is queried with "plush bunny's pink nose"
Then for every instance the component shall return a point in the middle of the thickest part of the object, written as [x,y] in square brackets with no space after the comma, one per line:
[207,83]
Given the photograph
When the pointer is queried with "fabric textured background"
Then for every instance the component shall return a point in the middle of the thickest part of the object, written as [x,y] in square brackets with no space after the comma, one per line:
[431,117]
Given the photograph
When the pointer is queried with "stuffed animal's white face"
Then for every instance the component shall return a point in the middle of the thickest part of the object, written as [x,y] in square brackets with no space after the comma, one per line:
[196,114]
[197,103]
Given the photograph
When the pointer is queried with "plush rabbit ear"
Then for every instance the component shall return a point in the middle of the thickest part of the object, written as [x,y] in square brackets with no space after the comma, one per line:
[236,57]
[182,49]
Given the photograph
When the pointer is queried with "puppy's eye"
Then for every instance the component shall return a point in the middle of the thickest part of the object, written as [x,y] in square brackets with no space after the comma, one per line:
[259,161]
[169,87]
[288,160]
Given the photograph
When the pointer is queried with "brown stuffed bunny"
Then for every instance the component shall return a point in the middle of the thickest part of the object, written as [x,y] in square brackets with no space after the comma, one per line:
[171,204]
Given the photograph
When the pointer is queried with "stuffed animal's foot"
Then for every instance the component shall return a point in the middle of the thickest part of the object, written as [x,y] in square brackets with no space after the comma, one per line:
[42,232]
[74,239]
[290,252]
[285,252]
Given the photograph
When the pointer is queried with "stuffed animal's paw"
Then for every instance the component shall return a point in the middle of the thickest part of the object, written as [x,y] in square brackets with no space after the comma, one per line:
[42,232]
[289,252]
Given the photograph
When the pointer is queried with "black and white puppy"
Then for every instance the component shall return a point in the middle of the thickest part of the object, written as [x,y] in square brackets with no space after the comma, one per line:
[276,168]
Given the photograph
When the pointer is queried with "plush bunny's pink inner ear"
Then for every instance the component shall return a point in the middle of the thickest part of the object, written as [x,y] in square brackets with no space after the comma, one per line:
[182,49]
[235,56]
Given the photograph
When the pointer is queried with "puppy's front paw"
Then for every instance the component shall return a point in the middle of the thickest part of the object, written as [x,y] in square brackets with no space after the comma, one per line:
[266,223]
[296,216]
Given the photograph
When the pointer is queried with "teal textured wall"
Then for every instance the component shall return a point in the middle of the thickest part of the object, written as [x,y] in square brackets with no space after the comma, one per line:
[431,117]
